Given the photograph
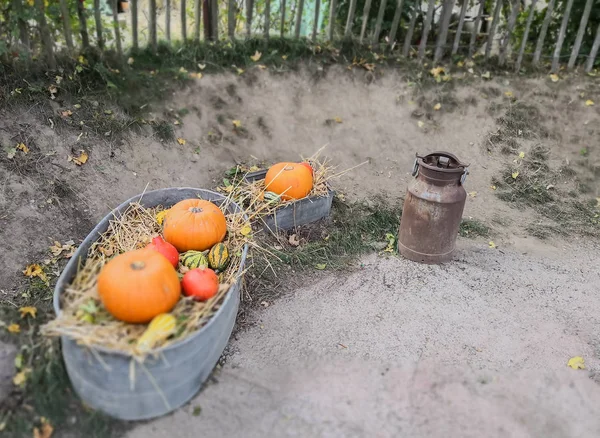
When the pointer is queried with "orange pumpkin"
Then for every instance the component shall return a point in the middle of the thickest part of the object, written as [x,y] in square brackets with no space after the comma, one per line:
[194,224]
[138,285]
[290,180]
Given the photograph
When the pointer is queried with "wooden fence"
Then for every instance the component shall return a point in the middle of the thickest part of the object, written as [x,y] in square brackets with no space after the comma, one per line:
[429,29]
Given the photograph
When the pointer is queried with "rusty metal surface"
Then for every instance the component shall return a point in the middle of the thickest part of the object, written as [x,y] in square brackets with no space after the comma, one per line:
[433,209]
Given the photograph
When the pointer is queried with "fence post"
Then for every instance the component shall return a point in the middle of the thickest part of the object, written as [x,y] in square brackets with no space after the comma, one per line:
[214,15]
[299,18]
[85,39]
[134,23]
[350,19]
[395,23]
[267,19]
[365,19]
[168,19]
[379,21]
[98,20]
[461,23]
[332,7]
[592,56]
[22,24]
[426,28]
[115,12]
[540,42]
[516,5]
[197,19]
[561,36]
[316,26]
[409,34]
[153,37]
[490,40]
[230,19]
[249,13]
[443,35]
[525,35]
[183,20]
[582,25]
[45,34]
[66,19]
[475,30]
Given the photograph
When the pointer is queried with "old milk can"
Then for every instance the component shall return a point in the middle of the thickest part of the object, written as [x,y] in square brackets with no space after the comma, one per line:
[433,208]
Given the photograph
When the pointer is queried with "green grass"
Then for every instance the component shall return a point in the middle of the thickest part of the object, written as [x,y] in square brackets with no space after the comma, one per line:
[473,228]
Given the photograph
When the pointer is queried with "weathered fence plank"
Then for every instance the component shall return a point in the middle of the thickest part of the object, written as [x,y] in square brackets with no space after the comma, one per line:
[214,14]
[282,8]
[525,35]
[426,28]
[443,30]
[134,24]
[332,9]
[115,13]
[580,33]
[512,21]
[461,23]
[299,12]
[230,19]
[183,20]
[475,30]
[490,40]
[396,22]
[249,14]
[409,34]
[316,24]
[66,19]
[22,24]
[168,19]
[593,52]
[46,37]
[152,24]
[351,10]
[561,36]
[98,20]
[267,19]
[85,39]
[365,20]
[542,36]
[379,21]
[197,19]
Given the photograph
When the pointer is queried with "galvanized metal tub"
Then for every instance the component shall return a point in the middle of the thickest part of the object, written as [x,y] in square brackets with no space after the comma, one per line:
[294,214]
[112,381]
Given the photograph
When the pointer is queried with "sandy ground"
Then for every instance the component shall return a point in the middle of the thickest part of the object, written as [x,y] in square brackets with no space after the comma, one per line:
[475,348]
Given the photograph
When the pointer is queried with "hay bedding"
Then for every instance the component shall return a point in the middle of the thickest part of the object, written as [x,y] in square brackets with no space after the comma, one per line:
[83,317]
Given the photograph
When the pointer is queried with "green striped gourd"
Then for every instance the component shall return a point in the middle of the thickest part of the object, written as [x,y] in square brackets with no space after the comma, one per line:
[193,259]
[218,257]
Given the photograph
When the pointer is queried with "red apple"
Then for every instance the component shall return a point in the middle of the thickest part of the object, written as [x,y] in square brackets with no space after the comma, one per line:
[200,283]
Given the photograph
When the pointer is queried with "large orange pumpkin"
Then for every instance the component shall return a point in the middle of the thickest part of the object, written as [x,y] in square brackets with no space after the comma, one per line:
[194,224]
[138,285]
[290,180]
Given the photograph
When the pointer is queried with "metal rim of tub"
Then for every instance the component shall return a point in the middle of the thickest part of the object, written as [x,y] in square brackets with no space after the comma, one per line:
[94,235]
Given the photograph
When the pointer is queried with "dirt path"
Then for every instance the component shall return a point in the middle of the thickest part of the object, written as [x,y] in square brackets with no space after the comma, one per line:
[475,348]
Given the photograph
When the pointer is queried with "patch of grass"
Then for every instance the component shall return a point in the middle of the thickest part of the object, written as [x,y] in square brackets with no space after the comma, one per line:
[163,130]
[473,228]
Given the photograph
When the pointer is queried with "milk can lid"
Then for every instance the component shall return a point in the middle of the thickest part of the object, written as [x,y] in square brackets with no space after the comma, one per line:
[442,162]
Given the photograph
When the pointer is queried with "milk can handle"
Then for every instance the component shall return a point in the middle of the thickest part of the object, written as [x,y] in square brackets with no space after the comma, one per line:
[415,171]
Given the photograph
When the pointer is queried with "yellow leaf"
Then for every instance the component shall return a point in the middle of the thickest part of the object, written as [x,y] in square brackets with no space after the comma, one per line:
[589,102]
[320,266]
[240,71]
[256,56]
[420,124]
[177,122]
[435,72]
[29,310]
[35,270]
[79,160]
[181,141]
[262,66]
[460,64]
[492,244]
[472,194]
[338,119]
[130,61]
[554,77]
[515,174]
[437,106]
[493,187]
[20,378]
[246,229]
[14,328]
[160,216]
[201,66]
[45,431]
[508,94]
[486,75]
[284,57]
[521,155]
[23,147]
[195,75]
[253,168]
[236,123]
[182,70]
[577,363]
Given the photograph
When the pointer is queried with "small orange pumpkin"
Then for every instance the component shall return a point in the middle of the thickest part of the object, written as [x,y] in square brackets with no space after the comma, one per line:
[138,285]
[290,180]
[194,224]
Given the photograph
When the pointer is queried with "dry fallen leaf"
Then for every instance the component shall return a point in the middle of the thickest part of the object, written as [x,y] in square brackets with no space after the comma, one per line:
[492,244]
[130,61]
[80,159]
[435,72]
[246,229]
[28,310]
[181,141]
[493,187]
[515,174]
[262,66]
[240,71]
[589,102]
[21,377]
[14,328]
[554,77]
[437,106]
[35,270]
[294,240]
[320,266]
[236,123]
[256,56]
[509,94]
[521,155]
[45,431]
[420,124]
[23,147]
[577,363]
[460,64]
[486,75]
[472,194]
[284,57]
[66,113]
[201,66]
[338,119]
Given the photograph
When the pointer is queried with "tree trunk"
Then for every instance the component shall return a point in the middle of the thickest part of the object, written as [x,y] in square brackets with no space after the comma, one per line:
[22,25]
[66,19]
[249,14]
[168,19]
[85,39]
[45,34]
[379,21]
[332,8]
[183,21]
[134,23]
[365,20]
[299,18]
[197,19]
[214,12]
[116,27]
[516,6]
[316,26]
[395,23]
[349,21]
[476,28]
[153,36]
[592,56]
[98,19]
[268,19]
[409,33]
[461,22]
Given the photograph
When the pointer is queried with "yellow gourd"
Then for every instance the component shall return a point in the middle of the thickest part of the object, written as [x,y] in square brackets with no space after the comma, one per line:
[159,329]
